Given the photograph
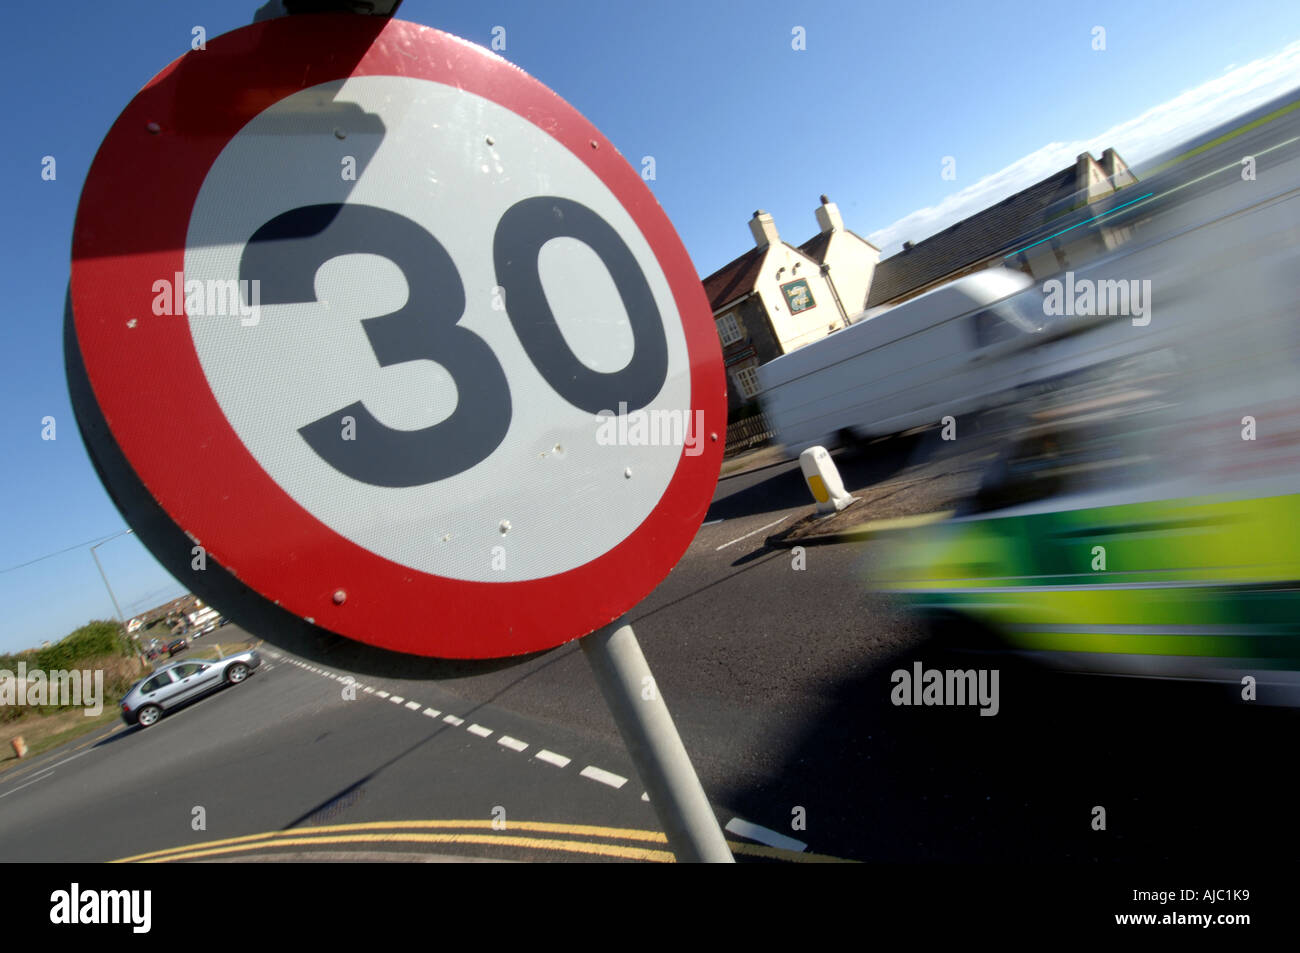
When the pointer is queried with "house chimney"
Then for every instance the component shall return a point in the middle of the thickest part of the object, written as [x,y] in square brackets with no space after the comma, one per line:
[1116,169]
[1090,179]
[907,246]
[764,229]
[828,217]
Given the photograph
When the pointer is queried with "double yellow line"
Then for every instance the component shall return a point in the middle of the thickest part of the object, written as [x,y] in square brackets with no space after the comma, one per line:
[617,842]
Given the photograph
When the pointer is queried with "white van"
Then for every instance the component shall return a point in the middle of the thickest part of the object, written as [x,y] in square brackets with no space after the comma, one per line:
[947,352]
[203,621]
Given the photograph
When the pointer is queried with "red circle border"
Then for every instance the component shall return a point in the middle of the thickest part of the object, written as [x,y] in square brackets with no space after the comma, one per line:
[131,229]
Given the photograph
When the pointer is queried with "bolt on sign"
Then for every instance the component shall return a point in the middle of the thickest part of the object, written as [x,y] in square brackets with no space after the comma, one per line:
[355,304]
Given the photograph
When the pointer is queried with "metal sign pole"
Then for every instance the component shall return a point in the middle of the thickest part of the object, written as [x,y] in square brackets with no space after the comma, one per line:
[657,751]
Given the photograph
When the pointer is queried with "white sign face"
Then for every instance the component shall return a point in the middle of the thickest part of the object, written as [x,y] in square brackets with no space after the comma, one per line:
[526,470]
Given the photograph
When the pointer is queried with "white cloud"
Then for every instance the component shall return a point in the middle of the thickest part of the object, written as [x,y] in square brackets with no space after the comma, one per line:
[1238,90]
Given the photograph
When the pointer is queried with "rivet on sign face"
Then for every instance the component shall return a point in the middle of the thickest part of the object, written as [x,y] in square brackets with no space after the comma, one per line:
[309,620]
[490,141]
[558,449]
[339,133]
[132,323]
[713,437]
[595,144]
[627,473]
[505,527]
[153,128]
[340,597]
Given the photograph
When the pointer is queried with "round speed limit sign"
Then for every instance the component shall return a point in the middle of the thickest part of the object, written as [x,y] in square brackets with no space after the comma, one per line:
[397,337]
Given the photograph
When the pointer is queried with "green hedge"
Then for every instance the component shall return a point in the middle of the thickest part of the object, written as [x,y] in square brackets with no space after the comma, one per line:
[92,640]
[96,645]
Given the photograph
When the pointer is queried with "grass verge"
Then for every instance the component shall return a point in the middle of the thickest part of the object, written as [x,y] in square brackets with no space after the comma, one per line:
[43,732]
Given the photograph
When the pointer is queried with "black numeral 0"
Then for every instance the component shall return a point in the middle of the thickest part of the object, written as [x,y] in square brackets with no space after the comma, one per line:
[286,252]
[520,235]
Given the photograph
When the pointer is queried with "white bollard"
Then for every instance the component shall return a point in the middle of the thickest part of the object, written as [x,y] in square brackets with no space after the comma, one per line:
[824,480]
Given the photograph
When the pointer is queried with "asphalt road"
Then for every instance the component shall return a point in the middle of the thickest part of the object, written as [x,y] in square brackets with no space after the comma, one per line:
[289,750]
[779,680]
[286,750]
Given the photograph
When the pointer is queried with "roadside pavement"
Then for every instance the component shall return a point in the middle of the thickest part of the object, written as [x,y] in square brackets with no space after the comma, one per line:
[928,488]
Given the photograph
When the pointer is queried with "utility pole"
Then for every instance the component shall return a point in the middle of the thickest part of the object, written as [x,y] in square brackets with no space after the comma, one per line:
[116,607]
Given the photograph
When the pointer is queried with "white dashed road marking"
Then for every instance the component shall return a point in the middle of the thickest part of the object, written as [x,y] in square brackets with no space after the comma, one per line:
[603,776]
[67,759]
[737,826]
[747,535]
[763,835]
[39,777]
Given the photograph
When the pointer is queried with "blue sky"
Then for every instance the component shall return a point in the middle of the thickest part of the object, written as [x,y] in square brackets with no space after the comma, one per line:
[735,118]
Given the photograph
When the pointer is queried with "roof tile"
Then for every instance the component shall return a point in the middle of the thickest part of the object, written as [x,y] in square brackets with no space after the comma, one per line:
[734,279]
[995,229]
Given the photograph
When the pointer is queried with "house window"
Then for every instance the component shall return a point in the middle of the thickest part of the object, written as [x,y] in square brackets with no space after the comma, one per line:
[746,379]
[729,328]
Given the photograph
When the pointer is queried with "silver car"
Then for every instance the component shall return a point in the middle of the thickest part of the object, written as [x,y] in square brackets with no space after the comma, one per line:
[179,683]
